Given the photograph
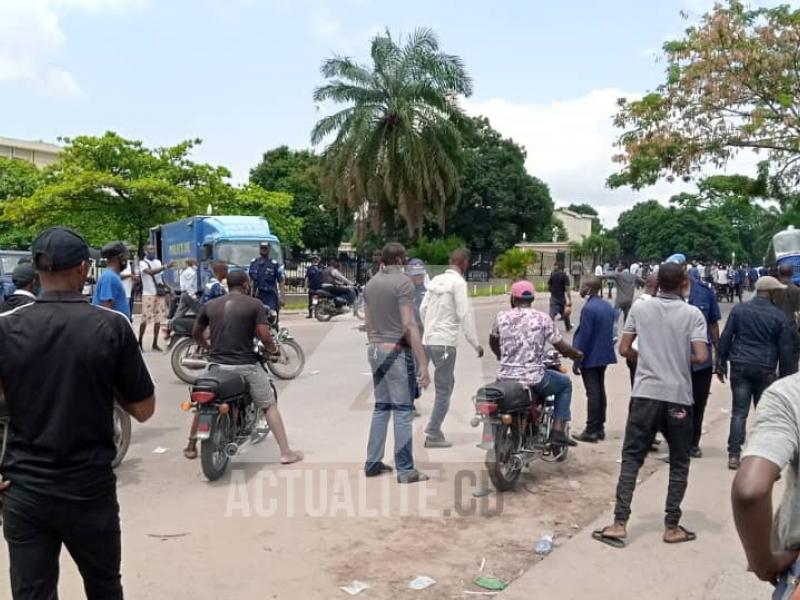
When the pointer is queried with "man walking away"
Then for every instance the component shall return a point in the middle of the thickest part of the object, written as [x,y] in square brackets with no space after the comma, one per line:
[61,487]
[109,291]
[560,297]
[626,288]
[234,320]
[771,547]
[153,292]
[26,282]
[757,338]
[394,344]
[577,271]
[594,338]
[672,336]
[313,283]
[445,313]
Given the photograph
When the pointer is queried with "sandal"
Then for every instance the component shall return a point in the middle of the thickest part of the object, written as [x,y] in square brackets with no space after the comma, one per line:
[688,536]
[190,453]
[612,540]
[295,457]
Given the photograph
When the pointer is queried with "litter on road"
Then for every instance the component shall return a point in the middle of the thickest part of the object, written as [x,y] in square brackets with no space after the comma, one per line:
[488,582]
[354,587]
[160,450]
[421,582]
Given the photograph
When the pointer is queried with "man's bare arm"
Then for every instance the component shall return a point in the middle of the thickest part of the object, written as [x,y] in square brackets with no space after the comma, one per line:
[265,336]
[567,350]
[198,334]
[626,345]
[494,345]
[699,352]
[141,411]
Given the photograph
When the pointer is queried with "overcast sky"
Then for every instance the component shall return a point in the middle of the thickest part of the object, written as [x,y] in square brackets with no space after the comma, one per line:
[239,73]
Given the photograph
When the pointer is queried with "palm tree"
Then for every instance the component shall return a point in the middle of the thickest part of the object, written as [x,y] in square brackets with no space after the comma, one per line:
[397,144]
[599,246]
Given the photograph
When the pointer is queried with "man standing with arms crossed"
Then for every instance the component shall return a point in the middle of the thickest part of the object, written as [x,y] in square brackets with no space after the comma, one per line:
[394,345]
[445,313]
[671,336]
[61,487]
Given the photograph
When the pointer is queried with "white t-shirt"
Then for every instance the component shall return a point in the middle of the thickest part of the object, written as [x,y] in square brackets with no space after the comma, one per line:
[127,282]
[188,280]
[598,271]
[722,276]
[149,281]
[635,268]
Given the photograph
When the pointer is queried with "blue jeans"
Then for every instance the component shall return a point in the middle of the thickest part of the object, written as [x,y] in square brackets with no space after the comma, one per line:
[747,383]
[394,384]
[783,588]
[560,386]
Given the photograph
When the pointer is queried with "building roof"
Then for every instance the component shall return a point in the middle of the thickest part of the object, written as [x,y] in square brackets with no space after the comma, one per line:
[573,214]
[31,145]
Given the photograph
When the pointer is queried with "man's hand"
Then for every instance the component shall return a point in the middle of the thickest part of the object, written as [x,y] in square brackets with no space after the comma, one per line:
[777,565]
[721,371]
[479,351]
[171,264]
[4,485]
[576,368]
[576,355]
[424,378]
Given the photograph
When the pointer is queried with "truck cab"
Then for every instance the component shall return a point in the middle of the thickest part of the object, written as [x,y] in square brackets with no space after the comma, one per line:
[230,239]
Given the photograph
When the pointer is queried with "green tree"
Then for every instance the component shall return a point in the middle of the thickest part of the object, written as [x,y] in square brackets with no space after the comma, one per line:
[514,263]
[297,172]
[499,201]
[397,144]
[436,252]
[110,187]
[732,83]
[598,247]
[274,206]
[18,178]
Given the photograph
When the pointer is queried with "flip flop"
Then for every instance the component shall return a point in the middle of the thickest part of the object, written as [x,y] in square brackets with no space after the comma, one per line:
[296,457]
[689,536]
[190,454]
[611,540]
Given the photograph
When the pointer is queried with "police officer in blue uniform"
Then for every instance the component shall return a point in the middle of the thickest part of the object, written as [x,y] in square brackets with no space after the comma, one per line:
[267,275]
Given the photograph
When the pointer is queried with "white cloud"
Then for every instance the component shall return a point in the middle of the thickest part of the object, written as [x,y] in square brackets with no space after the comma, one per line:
[31,40]
[570,145]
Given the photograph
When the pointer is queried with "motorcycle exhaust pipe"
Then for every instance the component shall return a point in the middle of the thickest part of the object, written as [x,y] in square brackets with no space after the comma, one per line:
[194,363]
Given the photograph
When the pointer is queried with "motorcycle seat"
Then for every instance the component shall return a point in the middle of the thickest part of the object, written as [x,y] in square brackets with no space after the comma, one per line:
[509,395]
[223,383]
[182,325]
[323,292]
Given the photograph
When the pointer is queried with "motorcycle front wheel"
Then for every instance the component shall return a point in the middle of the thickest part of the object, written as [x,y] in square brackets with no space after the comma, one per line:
[213,457]
[122,434]
[187,350]
[504,470]
[322,314]
[291,362]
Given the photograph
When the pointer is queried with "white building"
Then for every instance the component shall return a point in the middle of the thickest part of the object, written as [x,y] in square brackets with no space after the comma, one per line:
[40,154]
[578,226]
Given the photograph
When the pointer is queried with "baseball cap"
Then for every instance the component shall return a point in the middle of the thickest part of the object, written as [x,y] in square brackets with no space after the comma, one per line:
[112,249]
[768,283]
[59,248]
[22,275]
[265,244]
[416,266]
[677,258]
[523,289]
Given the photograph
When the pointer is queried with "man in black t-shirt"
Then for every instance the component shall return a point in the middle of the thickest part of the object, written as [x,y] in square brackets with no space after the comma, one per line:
[62,364]
[560,298]
[234,320]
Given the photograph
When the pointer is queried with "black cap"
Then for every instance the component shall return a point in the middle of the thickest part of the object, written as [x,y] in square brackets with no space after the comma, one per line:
[113,249]
[23,274]
[58,249]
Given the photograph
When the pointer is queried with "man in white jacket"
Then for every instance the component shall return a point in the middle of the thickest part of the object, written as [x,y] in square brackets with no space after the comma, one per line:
[445,313]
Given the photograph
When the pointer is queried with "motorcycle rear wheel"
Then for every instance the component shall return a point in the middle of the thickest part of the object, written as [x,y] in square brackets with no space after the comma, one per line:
[500,465]
[213,458]
[322,315]
[182,349]
[122,434]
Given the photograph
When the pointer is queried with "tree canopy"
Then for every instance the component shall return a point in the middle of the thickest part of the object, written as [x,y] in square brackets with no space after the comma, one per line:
[499,200]
[396,145]
[732,83]
[297,172]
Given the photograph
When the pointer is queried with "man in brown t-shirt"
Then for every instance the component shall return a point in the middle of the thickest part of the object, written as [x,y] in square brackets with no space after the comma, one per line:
[394,344]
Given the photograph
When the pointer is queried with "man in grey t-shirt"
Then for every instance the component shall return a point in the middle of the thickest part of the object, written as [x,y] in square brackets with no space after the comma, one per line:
[626,289]
[771,548]
[671,335]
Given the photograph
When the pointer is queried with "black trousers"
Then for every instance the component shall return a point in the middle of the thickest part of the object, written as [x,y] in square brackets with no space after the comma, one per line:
[35,528]
[645,417]
[701,386]
[310,302]
[594,380]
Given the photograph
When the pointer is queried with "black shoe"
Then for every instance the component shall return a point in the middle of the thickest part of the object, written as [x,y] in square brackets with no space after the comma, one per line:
[559,438]
[437,443]
[733,462]
[412,477]
[696,452]
[379,469]
[309,317]
[585,436]
[156,348]
[601,436]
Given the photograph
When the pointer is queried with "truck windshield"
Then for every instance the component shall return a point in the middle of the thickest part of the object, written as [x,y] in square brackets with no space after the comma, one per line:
[241,253]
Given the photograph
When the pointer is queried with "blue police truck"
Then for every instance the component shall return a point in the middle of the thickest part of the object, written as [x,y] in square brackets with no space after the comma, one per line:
[230,239]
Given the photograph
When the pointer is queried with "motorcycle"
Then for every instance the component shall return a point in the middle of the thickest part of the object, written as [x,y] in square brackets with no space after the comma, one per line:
[327,305]
[190,361]
[517,424]
[227,418]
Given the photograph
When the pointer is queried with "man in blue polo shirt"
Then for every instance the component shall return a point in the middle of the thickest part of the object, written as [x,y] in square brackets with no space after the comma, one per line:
[703,297]
[109,291]
[594,338]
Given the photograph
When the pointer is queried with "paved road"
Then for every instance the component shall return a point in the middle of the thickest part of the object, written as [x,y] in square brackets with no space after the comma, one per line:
[267,531]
